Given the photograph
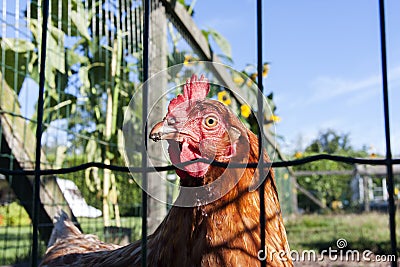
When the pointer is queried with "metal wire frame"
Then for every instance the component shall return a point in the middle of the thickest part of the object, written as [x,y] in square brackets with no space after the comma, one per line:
[260,128]
[38,172]
[277,164]
[349,160]
[42,80]
[146,40]
[389,160]
[260,118]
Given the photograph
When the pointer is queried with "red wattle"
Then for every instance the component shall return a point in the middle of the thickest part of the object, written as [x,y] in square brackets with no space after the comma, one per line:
[186,153]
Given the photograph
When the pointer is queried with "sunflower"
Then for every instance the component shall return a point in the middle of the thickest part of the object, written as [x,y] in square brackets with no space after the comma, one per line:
[187,60]
[298,155]
[252,80]
[238,80]
[224,97]
[265,70]
[245,110]
[275,118]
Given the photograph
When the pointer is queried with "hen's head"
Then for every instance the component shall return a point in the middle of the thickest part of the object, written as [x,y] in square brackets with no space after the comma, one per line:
[196,127]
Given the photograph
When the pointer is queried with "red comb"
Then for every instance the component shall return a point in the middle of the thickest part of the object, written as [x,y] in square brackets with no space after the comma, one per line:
[194,89]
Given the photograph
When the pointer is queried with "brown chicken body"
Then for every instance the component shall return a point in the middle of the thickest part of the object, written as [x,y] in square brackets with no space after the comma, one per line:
[224,232]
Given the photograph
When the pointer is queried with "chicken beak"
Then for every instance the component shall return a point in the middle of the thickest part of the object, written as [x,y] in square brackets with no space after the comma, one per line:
[162,131]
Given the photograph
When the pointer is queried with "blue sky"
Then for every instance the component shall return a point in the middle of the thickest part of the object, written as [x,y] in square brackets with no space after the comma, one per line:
[325,64]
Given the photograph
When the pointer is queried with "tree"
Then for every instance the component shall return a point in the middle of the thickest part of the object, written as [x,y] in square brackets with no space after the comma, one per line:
[328,188]
[88,51]
[93,67]
[330,142]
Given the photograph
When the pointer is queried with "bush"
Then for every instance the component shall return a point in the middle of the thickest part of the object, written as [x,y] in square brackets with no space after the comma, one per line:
[14,215]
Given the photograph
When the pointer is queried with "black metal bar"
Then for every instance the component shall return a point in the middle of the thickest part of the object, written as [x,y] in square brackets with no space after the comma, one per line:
[136,29]
[392,207]
[146,40]
[278,164]
[36,188]
[260,124]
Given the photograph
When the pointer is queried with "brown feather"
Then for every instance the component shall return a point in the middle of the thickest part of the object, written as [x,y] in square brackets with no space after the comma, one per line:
[223,233]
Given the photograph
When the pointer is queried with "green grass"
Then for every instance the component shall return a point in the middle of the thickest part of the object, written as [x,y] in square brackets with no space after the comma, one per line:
[16,241]
[316,232]
[361,231]
[95,226]
[15,244]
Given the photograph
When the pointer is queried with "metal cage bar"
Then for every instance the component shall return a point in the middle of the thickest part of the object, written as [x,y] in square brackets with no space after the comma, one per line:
[260,127]
[144,169]
[36,200]
[389,160]
[146,40]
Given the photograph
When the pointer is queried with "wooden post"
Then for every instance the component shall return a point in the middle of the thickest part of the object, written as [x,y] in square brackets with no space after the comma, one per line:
[157,209]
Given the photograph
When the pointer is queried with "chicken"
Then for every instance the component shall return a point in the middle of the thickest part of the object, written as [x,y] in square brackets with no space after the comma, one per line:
[220,228]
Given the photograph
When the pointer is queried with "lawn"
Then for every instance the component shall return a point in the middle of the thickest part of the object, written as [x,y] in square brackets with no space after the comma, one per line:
[15,241]
[306,232]
[361,231]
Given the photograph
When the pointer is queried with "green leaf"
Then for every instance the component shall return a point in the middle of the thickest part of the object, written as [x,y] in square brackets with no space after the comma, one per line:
[222,43]
[120,142]
[55,56]
[74,58]
[175,58]
[225,58]
[55,49]
[182,2]
[18,54]
[16,45]
[57,106]
[60,14]
[80,23]
[91,150]
[109,155]
[84,77]
[206,34]
[99,73]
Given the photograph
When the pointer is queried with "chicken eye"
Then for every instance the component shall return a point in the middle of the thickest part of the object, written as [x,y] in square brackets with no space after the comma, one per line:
[211,121]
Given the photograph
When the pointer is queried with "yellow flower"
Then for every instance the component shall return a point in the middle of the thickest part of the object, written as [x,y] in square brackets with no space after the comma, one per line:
[275,118]
[245,110]
[336,204]
[238,80]
[298,155]
[249,82]
[265,70]
[373,155]
[187,60]
[252,79]
[224,98]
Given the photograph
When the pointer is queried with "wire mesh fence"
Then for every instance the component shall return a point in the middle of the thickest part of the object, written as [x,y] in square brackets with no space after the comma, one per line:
[94,64]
